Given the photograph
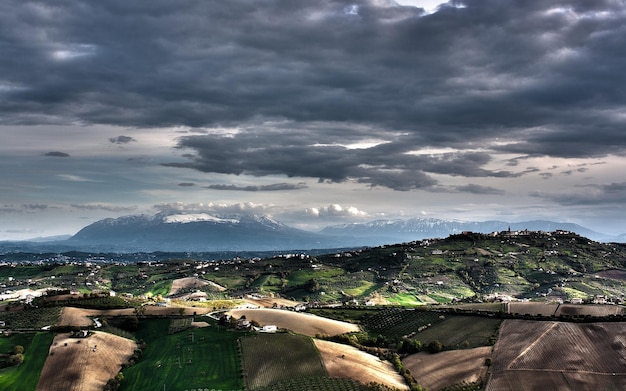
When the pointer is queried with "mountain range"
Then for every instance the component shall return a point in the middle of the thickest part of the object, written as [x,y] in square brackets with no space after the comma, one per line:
[203,232]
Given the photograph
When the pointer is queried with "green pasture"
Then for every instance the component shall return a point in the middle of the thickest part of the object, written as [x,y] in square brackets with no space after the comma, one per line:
[301,277]
[267,282]
[197,358]
[22,272]
[155,288]
[405,299]
[26,376]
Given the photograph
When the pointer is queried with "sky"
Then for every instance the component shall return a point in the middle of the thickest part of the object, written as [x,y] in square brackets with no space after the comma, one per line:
[312,112]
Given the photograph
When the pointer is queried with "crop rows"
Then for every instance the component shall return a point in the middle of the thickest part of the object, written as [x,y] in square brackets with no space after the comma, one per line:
[271,358]
[314,384]
[32,317]
[396,323]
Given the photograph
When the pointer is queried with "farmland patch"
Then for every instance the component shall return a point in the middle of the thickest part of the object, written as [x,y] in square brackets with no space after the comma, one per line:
[445,369]
[349,362]
[562,355]
[461,332]
[270,358]
[84,364]
[306,324]
[196,358]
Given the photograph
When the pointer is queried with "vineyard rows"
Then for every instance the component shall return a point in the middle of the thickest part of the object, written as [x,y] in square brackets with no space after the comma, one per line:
[396,322]
[271,358]
[315,384]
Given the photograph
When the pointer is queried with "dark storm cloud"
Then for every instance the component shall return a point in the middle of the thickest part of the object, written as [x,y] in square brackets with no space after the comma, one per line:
[611,194]
[304,155]
[121,140]
[26,208]
[56,154]
[186,184]
[272,187]
[543,77]
[478,189]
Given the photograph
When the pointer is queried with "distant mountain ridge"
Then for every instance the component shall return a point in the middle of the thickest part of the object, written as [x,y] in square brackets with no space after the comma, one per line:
[203,232]
[425,228]
[197,232]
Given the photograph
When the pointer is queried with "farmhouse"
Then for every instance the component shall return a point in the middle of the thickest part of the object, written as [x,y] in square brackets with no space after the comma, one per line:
[268,329]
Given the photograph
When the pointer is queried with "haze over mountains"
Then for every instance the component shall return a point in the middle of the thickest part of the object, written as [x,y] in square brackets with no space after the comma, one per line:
[204,232]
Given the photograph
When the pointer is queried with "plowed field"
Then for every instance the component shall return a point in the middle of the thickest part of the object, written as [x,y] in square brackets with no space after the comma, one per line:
[344,361]
[306,324]
[445,369]
[84,364]
[559,356]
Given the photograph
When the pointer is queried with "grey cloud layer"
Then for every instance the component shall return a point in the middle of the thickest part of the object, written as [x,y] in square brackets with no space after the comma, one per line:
[543,77]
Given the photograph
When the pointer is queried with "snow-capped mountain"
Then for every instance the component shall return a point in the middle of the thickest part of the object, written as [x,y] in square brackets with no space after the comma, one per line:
[197,232]
[209,233]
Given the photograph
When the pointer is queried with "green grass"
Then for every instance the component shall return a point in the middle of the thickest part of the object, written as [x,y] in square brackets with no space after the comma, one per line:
[407,299]
[159,288]
[365,288]
[210,361]
[300,277]
[26,376]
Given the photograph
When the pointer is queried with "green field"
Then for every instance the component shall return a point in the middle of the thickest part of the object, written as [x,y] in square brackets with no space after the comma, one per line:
[407,299]
[26,376]
[461,331]
[272,358]
[193,359]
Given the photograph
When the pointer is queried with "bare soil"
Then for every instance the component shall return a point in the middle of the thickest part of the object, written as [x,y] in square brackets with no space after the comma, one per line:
[192,282]
[545,309]
[84,364]
[445,369]
[588,309]
[344,361]
[306,324]
[559,356]
[613,274]
[270,302]
[71,316]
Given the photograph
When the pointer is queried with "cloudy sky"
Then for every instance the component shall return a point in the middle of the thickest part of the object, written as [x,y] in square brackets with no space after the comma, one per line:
[312,112]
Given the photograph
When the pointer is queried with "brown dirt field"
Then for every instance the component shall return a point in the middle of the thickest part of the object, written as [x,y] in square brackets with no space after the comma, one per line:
[588,309]
[174,311]
[378,299]
[613,274]
[306,324]
[445,369]
[344,361]
[565,356]
[199,324]
[545,309]
[270,301]
[77,367]
[190,282]
[71,316]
